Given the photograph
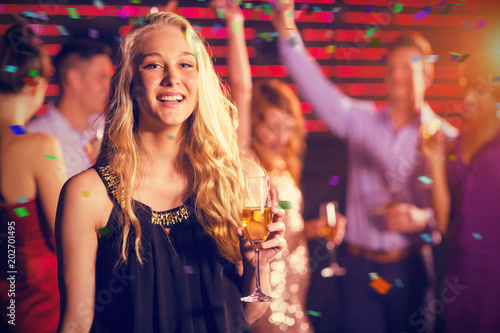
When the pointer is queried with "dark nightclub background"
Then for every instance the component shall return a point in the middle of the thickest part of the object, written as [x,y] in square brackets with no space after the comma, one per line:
[349,38]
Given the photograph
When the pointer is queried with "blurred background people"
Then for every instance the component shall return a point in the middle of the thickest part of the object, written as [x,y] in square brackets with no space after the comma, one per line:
[387,207]
[271,127]
[466,188]
[83,70]
[30,182]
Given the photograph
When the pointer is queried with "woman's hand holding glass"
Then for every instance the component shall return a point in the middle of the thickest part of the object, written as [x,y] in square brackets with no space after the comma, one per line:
[262,233]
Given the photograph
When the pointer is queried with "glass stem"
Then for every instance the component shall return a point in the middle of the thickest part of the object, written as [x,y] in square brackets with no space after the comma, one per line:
[257,267]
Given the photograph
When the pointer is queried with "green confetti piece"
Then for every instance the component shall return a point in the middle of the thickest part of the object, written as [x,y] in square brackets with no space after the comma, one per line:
[73,13]
[374,42]
[135,1]
[285,204]
[314,313]
[104,231]
[408,43]
[220,12]
[21,212]
[268,9]
[398,8]
[247,5]
[373,275]
[236,27]
[370,32]
[50,157]
[455,53]
[424,179]
[33,73]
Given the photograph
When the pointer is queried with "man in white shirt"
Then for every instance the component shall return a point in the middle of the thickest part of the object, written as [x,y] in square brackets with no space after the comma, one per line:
[83,70]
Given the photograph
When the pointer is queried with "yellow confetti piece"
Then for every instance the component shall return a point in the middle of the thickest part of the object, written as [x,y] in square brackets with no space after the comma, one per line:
[331,48]
[452,157]
[85,193]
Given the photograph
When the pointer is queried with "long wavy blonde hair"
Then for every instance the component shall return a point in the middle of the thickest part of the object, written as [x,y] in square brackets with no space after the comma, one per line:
[208,146]
[269,94]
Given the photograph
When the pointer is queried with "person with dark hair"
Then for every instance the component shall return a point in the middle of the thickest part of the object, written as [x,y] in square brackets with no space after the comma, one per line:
[388,208]
[466,189]
[30,182]
[83,71]
[158,244]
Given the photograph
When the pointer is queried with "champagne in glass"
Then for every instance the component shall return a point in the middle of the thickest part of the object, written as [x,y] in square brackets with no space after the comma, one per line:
[328,210]
[256,218]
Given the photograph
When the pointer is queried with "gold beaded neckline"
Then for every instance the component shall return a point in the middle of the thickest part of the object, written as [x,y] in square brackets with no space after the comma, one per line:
[166,219]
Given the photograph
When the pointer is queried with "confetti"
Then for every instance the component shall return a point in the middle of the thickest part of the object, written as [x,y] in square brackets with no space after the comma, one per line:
[220,12]
[432,58]
[466,25]
[369,9]
[380,285]
[304,6]
[236,27]
[21,212]
[427,9]
[62,30]
[285,204]
[22,200]
[454,57]
[370,32]
[135,1]
[317,9]
[314,313]
[336,9]
[268,9]
[496,79]
[50,157]
[481,24]
[10,69]
[426,238]
[30,14]
[248,5]
[442,3]
[330,48]
[464,57]
[93,33]
[33,73]
[452,157]
[383,59]
[415,58]
[188,269]
[334,180]
[399,283]
[408,43]
[373,275]
[420,15]
[73,13]
[85,193]
[446,10]
[374,42]
[477,236]
[104,231]
[398,8]
[17,129]
[425,180]
[98,3]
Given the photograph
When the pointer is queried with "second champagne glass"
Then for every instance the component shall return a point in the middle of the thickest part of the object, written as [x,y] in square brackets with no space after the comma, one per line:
[256,218]
[329,210]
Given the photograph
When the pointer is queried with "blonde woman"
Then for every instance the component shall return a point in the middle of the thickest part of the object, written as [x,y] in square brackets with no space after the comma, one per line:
[148,239]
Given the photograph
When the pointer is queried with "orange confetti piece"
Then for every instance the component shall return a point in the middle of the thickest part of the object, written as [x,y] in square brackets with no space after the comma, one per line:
[380,285]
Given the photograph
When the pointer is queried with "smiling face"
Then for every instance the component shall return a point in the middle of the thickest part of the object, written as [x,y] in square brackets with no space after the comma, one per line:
[166,80]
[406,77]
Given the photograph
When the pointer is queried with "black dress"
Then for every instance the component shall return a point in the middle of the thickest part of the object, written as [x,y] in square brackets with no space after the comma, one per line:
[182,286]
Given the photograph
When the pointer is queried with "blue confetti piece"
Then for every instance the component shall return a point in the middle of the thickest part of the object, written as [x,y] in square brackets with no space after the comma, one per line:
[62,30]
[317,9]
[477,236]
[415,58]
[30,14]
[424,179]
[10,69]
[17,129]
[383,59]
[427,9]
[399,283]
[426,238]
[442,3]
[22,200]
[98,3]
[369,9]
[496,79]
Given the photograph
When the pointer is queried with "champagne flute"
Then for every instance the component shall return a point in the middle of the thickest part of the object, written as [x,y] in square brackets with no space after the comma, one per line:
[328,210]
[256,218]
